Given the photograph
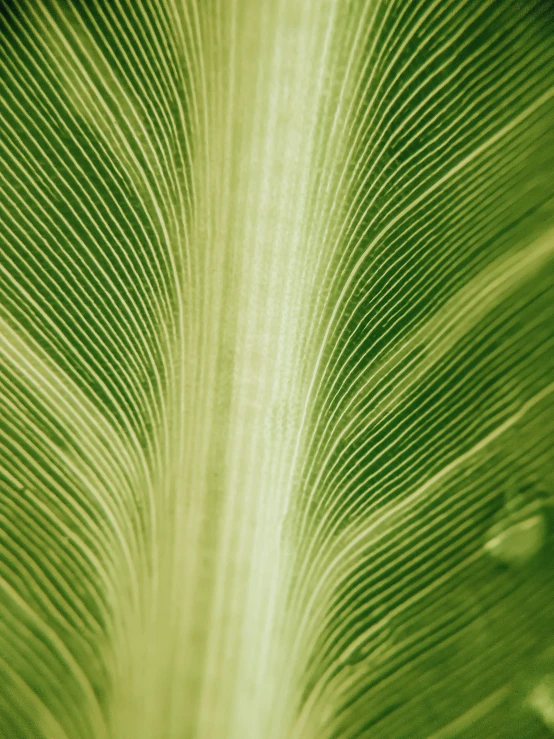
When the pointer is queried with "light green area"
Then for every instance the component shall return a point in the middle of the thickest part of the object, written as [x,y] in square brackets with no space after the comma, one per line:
[542,700]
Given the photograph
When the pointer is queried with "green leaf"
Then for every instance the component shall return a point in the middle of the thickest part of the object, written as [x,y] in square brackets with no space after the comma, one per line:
[277,339]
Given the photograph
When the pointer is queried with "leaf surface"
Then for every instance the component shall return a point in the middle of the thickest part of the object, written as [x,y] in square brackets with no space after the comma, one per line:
[277,343]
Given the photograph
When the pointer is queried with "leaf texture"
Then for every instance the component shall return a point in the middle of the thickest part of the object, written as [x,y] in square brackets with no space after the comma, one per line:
[277,336]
